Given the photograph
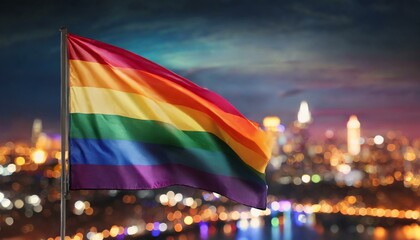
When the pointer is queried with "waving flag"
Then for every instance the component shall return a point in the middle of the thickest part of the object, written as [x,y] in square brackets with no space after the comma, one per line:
[137,125]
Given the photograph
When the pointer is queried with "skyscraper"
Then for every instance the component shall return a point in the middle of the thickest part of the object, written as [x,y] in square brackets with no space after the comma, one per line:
[36,130]
[271,124]
[304,115]
[353,135]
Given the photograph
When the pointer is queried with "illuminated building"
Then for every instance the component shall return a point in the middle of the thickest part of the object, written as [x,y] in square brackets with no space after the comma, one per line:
[299,130]
[304,115]
[36,130]
[42,140]
[271,125]
[353,135]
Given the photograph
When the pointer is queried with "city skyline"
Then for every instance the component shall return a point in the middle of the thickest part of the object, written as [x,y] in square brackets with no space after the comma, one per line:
[320,184]
[352,57]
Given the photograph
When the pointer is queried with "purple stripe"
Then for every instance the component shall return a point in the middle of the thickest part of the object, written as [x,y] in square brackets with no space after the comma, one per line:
[158,176]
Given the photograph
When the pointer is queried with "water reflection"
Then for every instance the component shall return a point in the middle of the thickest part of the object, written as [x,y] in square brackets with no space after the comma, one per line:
[293,225]
[204,230]
[287,230]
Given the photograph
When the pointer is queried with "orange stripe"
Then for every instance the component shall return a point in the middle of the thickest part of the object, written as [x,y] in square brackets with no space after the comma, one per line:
[88,74]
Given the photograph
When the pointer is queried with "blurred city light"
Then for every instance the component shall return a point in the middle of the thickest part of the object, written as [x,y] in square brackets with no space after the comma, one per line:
[271,123]
[39,156]
[308,179]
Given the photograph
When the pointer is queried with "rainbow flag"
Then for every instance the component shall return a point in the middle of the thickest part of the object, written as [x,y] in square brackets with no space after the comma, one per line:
[137,125]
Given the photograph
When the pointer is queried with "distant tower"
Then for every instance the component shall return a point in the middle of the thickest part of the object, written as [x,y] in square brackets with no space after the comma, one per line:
[304,115]
[353,135]
[301,133]
[271,125]
[36,130]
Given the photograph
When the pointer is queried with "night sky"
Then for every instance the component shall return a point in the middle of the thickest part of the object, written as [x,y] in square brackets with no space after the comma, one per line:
[343,57]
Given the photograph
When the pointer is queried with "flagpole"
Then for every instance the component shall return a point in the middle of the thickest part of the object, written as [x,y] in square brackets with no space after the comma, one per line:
[63,125]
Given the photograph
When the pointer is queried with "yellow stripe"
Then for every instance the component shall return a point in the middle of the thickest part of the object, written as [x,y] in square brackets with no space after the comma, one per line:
[106,101]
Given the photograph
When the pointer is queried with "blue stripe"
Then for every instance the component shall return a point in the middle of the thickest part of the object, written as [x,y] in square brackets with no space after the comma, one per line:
[124,152]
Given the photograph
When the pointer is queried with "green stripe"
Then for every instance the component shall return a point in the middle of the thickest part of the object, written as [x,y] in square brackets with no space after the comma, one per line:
[102,126]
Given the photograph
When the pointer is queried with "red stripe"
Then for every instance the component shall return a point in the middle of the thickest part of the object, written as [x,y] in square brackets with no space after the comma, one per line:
[90,50]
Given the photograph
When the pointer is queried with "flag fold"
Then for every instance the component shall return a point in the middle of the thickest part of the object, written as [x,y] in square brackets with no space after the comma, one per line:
[137,125]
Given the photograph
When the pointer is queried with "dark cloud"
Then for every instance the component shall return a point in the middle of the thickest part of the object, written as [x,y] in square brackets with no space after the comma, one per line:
[290,92]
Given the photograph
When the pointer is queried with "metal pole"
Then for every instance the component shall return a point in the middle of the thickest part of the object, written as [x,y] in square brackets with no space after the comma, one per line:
[63,120]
